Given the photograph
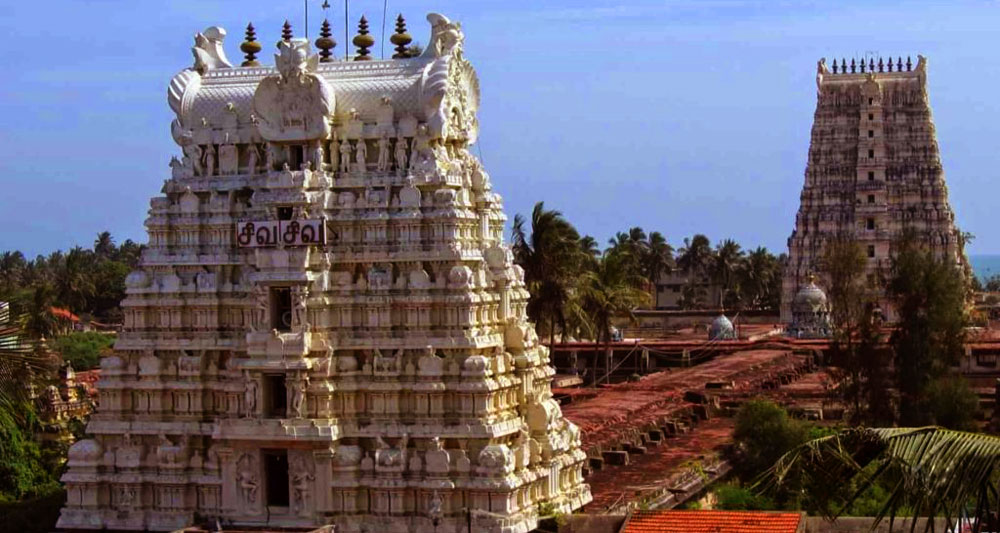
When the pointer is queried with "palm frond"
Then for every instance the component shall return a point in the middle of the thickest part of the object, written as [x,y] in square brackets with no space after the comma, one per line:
[22,360]
[931,470]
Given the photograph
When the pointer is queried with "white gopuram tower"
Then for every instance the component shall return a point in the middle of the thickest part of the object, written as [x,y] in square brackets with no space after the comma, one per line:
[327,327]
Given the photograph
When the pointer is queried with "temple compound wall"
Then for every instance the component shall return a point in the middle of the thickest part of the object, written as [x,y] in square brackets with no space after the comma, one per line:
[874,171]
[327,327]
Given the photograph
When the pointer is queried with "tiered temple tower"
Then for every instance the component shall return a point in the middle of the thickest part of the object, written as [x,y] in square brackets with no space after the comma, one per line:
[874,170]
[327,327]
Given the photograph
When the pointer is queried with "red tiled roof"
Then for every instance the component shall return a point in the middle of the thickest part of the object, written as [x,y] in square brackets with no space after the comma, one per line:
[59,312]
[711,522]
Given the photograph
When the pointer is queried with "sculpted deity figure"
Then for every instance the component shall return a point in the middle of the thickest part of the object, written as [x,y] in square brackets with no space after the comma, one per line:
[334,152]
[383,152]
[434,509]
[272,156]
[345,156]
[249,395]
[210,160]
[261,299]
[253,158]
[300,296]
[193,153]
[302,480]
[317,162]
[246,477]
[298,396]
[361,156]
[228,159]
[126,497]
[400,154]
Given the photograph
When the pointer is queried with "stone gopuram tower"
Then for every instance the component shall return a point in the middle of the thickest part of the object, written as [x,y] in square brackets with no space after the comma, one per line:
[326,327]
[874,170]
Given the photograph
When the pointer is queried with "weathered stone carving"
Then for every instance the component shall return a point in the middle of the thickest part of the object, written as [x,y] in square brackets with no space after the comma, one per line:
[293,105]
[247,479]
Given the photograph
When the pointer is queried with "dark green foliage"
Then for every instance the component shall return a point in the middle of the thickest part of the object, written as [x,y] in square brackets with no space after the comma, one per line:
[743,280]
[929,294]
[888,472]
[952,404]
[83,349]
[733,497]
[87,282]
[992,283]
[34,515]
[763,433]
[23,473]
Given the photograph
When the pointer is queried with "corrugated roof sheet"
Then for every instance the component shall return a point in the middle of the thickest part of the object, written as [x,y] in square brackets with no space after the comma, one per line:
[712,522]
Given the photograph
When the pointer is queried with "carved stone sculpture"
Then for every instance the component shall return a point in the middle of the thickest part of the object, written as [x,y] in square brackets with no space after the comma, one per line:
[253,158]
[246,477]
[345,156]
[383,152]
[361,156]
[250,392]
[297,394]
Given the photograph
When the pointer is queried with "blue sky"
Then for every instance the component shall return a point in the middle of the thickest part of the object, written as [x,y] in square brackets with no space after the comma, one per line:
[678,116]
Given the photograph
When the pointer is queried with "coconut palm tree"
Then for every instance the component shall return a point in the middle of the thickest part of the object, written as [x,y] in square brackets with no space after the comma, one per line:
[22,359]
[658,258]
[726,262]
[550,254]
[694,257]
[757,277]
[104,245]
[931,471]
[607,292]
[74,281]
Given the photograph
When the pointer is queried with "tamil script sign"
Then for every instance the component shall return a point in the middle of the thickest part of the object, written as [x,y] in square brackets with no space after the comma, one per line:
[280,232]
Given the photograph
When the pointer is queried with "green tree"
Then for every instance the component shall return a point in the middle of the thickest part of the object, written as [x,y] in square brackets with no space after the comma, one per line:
[694,260]
[763,433]
[657,259]
[551,256]
[735,497]
[607,292]
[929,296]
[952,403]
[83,349]
[104,245]
[723,269]
[757,275]
[861,367]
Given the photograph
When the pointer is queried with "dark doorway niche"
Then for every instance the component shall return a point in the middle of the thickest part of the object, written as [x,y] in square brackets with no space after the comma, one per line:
[276,477]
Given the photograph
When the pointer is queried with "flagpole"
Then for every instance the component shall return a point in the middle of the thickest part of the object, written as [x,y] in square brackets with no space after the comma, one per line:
[385,8]
[306,3]
[347,35]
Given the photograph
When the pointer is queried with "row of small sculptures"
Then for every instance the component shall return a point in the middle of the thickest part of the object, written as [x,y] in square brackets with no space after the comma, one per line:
[399,155]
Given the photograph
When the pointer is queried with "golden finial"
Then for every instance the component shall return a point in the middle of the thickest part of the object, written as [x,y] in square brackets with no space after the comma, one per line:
[325,43]
[250,47]
[363,40]
[401,39]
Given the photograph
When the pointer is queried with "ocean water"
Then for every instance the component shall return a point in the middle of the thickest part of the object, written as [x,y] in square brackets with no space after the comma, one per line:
[985,266]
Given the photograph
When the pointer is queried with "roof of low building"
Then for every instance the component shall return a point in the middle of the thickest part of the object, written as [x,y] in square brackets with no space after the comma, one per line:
[712,522]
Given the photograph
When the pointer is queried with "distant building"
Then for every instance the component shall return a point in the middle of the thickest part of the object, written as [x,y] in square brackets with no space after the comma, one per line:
[671,286]
[874,170]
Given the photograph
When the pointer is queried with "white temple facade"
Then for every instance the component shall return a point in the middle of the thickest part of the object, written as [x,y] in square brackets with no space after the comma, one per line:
[327,327]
